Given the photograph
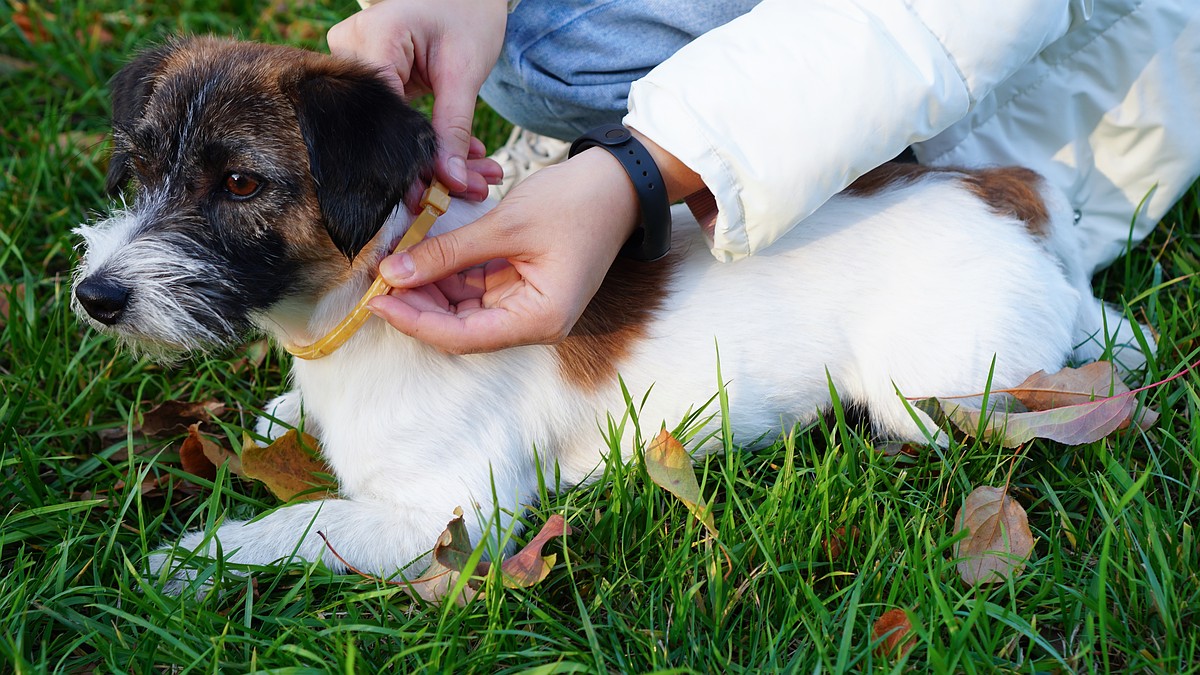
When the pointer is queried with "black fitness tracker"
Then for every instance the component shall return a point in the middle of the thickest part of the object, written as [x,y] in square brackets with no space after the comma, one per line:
[652,239]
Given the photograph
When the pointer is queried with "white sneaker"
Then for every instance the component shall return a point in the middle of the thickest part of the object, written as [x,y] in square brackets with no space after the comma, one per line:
[524,153]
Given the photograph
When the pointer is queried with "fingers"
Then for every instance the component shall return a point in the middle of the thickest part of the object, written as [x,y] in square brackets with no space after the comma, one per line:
[355,38]
[468,333]
[438,257]
[482,171]
[453,113]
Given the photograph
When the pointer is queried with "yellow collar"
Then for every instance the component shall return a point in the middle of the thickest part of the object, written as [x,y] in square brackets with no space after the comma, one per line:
[434,203]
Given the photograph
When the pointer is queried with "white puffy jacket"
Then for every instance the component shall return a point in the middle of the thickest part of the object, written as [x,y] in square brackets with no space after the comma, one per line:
[783,107]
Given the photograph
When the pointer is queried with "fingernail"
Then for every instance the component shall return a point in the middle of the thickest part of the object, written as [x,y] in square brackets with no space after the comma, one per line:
[458,170]
[396,268]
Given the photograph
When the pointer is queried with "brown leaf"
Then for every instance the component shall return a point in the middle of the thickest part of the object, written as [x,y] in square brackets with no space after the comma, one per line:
[835,544]
[528,566]
[1071,406]
[172,417]
[289,467]
[1069,386]
[438,582]
[253,354]
[450,556]
[670,467]
[998,540]
[453,547]
[894,628]
[6,290]
[200,456]
[32,22]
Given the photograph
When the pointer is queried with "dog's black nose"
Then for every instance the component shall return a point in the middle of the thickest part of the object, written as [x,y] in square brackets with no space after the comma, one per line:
[102,299]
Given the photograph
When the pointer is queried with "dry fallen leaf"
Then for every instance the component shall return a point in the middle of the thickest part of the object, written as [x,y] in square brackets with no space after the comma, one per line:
[17,292]
[670,467]
[172,417]
[200,456]
[894,628]
[451,554]
[252,356]
[1074,386]
[528,566]
[454,547]
[1072,406]
[1070,425]
[835,544]
[32,22]
[1069,386]
[289,467]
[998,540]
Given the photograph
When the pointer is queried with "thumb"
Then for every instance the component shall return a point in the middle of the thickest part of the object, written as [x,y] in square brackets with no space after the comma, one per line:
[436,258]
[453,113]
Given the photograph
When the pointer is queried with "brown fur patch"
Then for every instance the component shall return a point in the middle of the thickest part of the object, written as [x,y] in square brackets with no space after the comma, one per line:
[887,175]
[1012,191]
[614,320]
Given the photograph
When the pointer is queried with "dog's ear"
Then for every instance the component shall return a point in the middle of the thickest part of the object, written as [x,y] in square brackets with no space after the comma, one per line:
[130,89]
[366,147]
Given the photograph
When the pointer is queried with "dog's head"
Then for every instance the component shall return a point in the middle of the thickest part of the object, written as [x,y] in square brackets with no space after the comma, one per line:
[258,174]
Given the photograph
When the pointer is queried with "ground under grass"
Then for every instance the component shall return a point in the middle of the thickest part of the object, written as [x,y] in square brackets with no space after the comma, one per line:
[1112,585]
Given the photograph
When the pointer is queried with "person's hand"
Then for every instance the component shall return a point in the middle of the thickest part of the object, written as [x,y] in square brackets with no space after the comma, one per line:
[443,47]
[547,247]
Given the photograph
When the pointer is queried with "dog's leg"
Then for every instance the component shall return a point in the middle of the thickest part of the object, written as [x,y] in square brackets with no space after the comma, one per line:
[1102,331]
[892,419]
[283,413]
[378,538]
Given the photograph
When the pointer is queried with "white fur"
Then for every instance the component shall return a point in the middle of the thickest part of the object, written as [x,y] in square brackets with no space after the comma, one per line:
[160,318]
[917,289]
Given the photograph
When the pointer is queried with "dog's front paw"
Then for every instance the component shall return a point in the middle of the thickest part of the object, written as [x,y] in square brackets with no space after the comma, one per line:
[174,569]
[282,414]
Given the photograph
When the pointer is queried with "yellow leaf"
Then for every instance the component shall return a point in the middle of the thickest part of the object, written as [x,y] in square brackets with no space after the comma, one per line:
[289,467]
[670,467]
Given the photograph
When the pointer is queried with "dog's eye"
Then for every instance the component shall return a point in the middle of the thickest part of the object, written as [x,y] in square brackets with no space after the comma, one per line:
[241,185]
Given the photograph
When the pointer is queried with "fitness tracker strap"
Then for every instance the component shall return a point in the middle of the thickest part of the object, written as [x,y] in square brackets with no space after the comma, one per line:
[652,239]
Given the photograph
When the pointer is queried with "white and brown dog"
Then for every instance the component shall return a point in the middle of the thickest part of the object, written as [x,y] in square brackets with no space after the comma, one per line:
[267,180]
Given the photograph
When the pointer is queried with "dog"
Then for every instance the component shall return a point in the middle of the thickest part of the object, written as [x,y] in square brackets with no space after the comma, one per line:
[266,185]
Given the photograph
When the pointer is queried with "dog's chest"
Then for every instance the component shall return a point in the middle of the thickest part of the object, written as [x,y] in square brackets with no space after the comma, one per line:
[394,415]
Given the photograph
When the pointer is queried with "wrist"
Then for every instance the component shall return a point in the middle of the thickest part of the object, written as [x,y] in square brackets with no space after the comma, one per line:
[680,180]
[652,239]
[611,190]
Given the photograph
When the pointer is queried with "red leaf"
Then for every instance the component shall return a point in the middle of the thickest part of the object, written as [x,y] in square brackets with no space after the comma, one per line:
[894,628]
[528,567]
[201,456]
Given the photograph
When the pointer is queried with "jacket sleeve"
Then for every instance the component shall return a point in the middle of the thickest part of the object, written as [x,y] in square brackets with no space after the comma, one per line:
[783,107]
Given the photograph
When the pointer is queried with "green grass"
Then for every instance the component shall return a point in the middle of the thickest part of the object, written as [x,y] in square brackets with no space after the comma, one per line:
[1113,584]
